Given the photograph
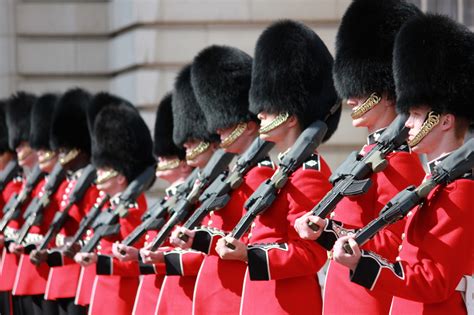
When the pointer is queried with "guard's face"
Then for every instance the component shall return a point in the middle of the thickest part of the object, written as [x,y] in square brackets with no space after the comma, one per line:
[370,118]
[200,160]
[169,172]
[26,155]
[109,181]
[46,160]
[274,135]
[415,122]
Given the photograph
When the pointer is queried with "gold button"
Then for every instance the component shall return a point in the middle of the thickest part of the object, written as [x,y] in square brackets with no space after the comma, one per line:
[68,190]
[398,258]
[147,236]
[145,244]
[400,248]
[332,215]
[64,197]
[250,235]
[253,225]
[409,213]
[63,203]
[99,247]
[89,232]
[211,212]
[403,236]
[210,222]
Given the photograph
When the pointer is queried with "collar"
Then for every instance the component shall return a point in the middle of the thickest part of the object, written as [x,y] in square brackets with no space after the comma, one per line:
[374,136]
[432,164]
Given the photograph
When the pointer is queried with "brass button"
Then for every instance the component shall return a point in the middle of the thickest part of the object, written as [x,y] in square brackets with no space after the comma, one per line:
[403,236]
[147,236]
[211,212]
[210,222]
[250,235]
[400,248]
[398,258]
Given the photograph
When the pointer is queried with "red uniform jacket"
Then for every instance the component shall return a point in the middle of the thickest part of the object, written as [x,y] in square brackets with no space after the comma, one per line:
[404,169]
[31,279]
[282,268]
[436,251]
[62,280]
[218,287]
[9,264]
[114,291]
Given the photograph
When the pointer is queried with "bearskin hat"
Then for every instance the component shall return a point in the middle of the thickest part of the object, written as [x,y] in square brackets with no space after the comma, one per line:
[292,73]
[188,118]
[364,46]
[69,127]
[164,145]
[121,139]
[41,119]
[3,128]
[18,118]
[434,66]
[220,77]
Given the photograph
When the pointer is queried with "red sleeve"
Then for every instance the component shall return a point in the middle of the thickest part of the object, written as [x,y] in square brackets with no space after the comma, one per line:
[436,252]
[294,257]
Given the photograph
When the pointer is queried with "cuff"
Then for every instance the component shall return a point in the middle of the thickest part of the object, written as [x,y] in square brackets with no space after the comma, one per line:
[258,262]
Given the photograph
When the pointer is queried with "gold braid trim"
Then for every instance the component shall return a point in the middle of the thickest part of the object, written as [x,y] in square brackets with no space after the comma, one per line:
[369,103]
[69,156]
[105,176]
[201,148]
[168,165]
[280,119]
[47,156]
[234,135]
[431,121]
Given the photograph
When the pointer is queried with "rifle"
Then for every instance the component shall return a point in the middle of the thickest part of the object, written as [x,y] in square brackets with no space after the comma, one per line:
[352,177]
[266,193]
[216,165]
[86,222]
[8,173]
[86,179]
[217,195]
[107,222]
[33,214]
[451,168]
[155,217]
[12,209]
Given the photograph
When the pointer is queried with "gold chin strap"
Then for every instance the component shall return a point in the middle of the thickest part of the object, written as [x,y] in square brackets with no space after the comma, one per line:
[275,123]
[431,121]
[168,165]
[24,154]
[105,176]
[234,135]
[47,156]
[363,108]
[69,156]
[201,148]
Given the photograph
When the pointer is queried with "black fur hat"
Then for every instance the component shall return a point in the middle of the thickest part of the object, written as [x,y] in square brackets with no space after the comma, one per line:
[120,138]
[364,46]
[188,118]
[434,66]
[69,127]
[164,145]
[3,128]
[292,73]
[18,118]
[220,76]
[41,120]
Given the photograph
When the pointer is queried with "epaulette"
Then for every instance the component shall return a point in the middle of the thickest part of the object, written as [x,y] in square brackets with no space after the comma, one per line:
[312,163]
[266,162]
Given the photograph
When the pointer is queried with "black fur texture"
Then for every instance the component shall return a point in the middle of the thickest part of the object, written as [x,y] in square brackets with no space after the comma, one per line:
[292,73]
[69,128]
[41,120]
[18,118]
[434,66]
[163,144]
[188,118]
[121,139]
[4,147]
[220,76]
[364,46]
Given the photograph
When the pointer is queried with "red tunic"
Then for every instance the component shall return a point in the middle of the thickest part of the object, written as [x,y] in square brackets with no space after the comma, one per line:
[437,250]
[282,268]
[404,169]
[114,291]
[218,287]
[31,279]
[9,264]
[62,280]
